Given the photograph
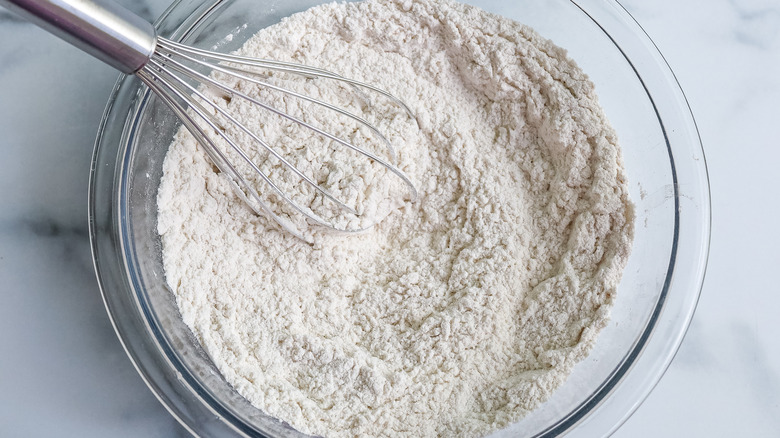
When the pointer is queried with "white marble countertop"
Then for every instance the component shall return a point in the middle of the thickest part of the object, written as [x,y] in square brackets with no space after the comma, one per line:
[63,371]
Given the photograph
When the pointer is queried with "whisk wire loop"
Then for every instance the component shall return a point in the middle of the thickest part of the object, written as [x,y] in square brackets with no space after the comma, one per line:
[244,74]
[164,90]
[284,66]
[178,73]
[206,79]
[215,155]
[245,186]
[177,66]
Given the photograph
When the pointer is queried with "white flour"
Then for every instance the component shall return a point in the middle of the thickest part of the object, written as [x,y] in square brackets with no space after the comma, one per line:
[456,315]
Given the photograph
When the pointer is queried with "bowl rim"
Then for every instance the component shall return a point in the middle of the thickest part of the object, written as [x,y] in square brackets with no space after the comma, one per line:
[692,225]
[618,397]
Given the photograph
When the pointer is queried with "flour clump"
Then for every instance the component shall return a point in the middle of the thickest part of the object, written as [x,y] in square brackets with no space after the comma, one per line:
[455,315]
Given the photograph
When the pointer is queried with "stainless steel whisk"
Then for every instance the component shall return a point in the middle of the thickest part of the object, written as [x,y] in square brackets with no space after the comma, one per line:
[130,44]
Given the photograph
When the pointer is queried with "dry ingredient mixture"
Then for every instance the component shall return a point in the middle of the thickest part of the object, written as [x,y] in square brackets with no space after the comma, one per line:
[455,315]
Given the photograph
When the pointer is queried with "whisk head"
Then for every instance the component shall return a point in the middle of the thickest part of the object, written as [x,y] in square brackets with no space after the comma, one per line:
[217,96]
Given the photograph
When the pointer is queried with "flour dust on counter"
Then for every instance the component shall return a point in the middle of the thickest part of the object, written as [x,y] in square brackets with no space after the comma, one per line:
[455,315]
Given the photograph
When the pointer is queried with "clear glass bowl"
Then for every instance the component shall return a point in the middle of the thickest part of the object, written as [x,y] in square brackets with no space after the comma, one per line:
[656,299]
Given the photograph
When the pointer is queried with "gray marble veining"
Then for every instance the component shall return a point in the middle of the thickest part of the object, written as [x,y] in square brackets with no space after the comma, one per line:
[723,382]
[64,372]
[759,22]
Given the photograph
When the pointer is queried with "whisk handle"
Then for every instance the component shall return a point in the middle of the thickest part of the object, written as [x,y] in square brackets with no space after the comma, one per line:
[103,29]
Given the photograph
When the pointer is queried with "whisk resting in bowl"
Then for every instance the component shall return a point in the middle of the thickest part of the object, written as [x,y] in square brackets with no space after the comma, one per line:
[177,73]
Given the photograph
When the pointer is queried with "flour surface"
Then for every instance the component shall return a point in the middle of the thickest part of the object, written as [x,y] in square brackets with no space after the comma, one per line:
[455,315]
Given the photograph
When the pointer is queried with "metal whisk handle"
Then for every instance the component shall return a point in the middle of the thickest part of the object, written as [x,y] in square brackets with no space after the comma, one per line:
[105,30]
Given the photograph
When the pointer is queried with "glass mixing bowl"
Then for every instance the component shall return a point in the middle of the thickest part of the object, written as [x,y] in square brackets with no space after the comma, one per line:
[656,298]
